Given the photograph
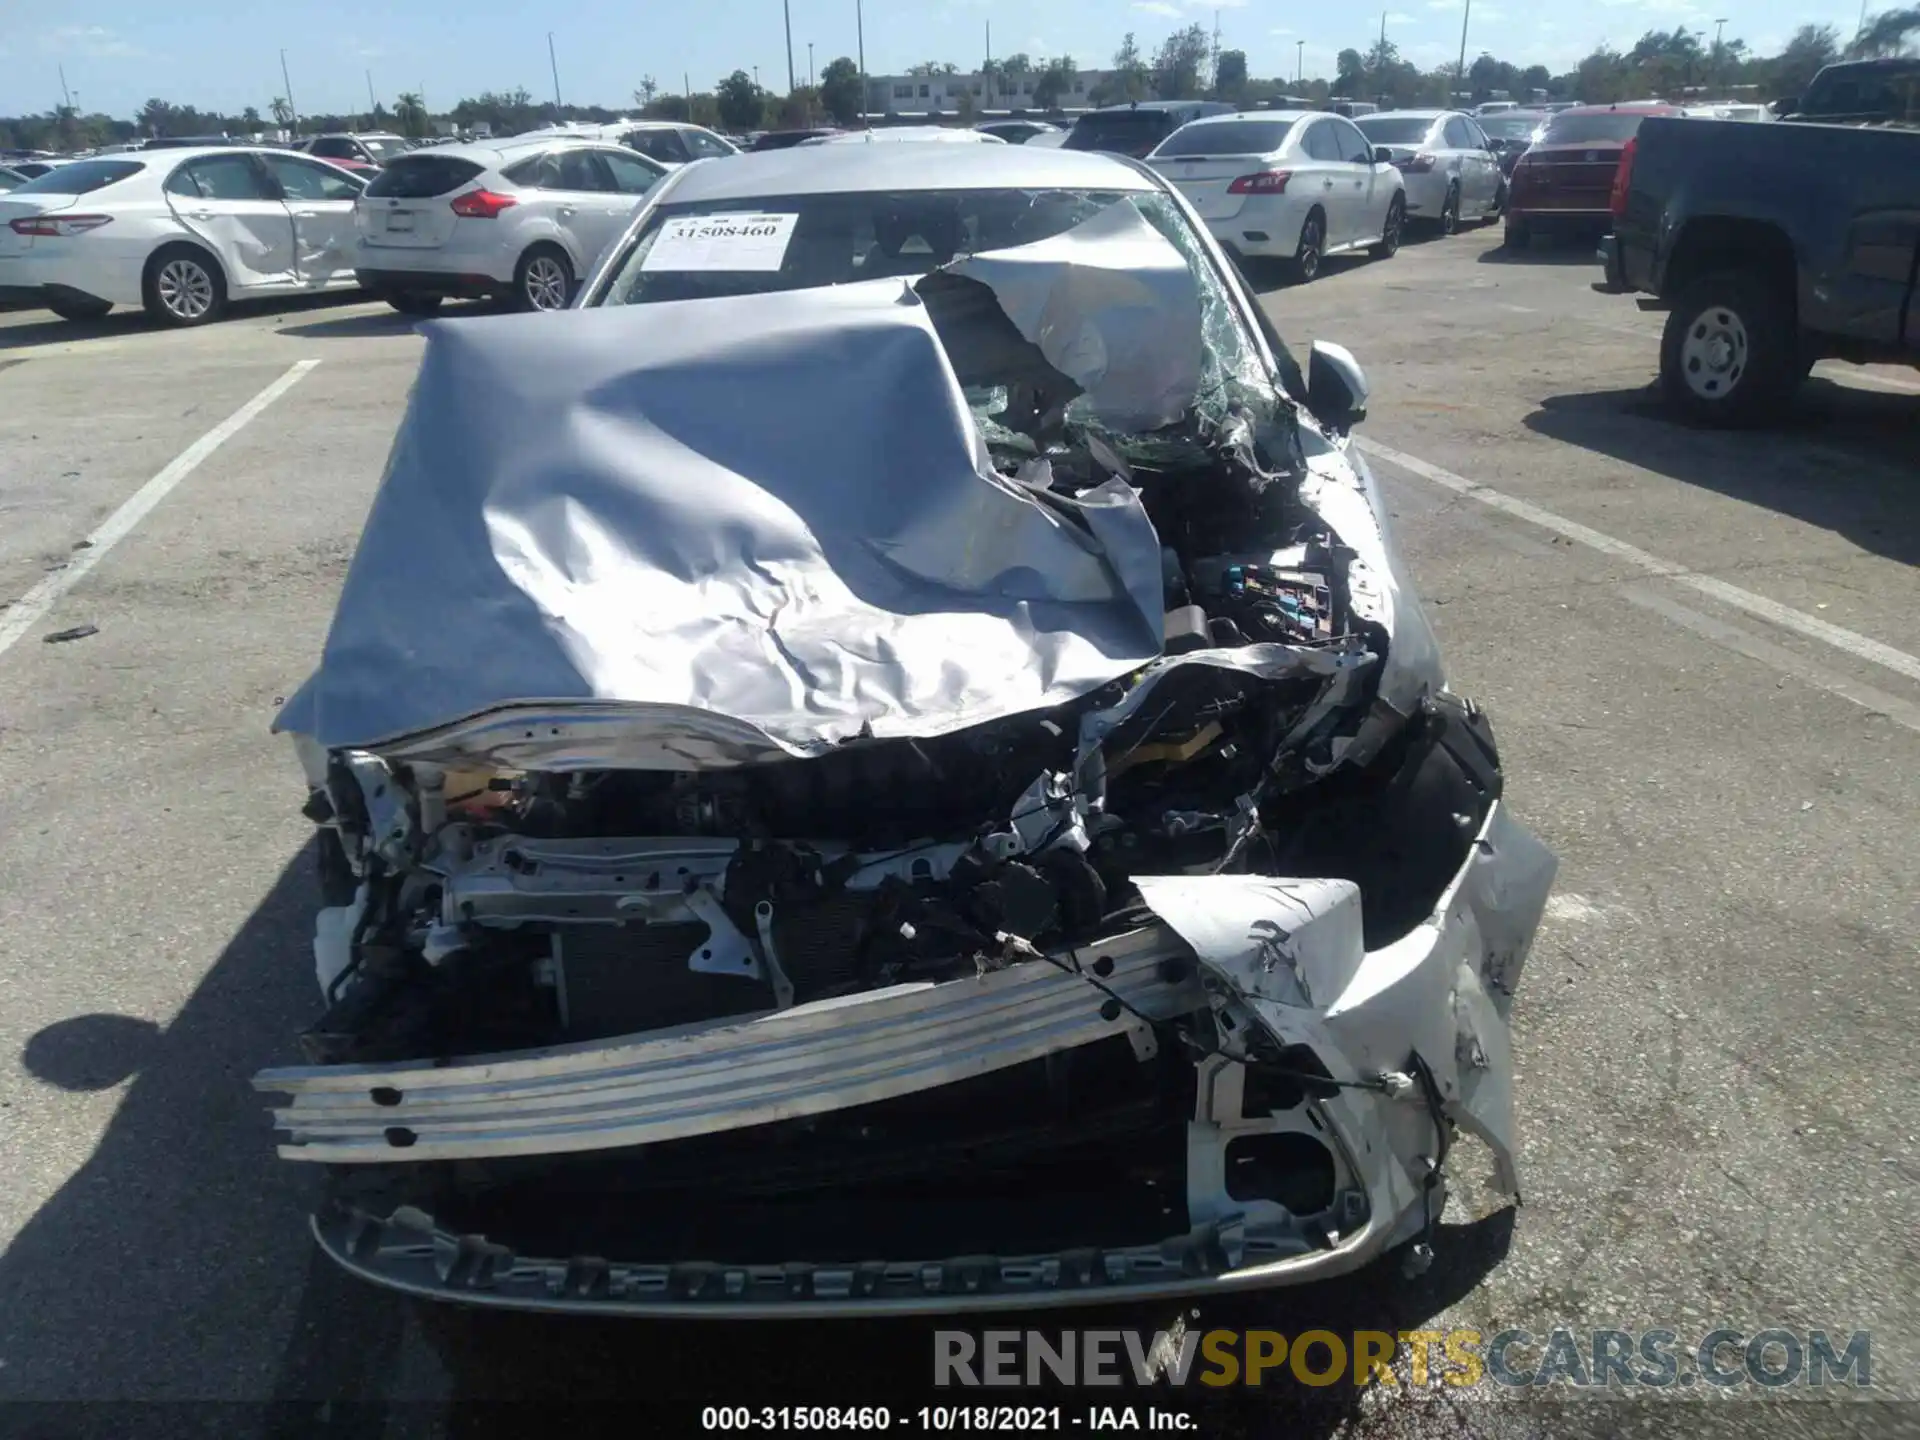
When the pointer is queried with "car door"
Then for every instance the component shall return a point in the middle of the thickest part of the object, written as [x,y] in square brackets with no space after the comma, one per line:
[1358,182]
[664,145]
[1327,182]
[232,206]
[1488,158]
[321,200]
[1460,150]
[591,204]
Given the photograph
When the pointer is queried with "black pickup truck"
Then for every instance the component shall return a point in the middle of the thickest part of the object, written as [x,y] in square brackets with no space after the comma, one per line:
[1773,246]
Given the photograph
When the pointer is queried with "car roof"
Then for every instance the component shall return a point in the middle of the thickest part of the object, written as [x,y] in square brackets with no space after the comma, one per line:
[356,135]
[492,153]
[831,169]
[1152,105]
[1410,114]
[1289,116]
[903,133]
[1628,107]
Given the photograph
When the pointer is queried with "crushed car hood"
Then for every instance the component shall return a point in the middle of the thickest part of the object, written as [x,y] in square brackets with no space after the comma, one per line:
[768,524]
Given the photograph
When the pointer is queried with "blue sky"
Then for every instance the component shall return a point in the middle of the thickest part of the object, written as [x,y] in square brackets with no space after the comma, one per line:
[224,54]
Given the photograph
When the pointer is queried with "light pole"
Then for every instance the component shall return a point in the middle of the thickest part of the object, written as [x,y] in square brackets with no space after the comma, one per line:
[293,110]
[1299,61]
[786,9]
[809,64]
[554,65]
[1460,81]
[860,35]
[373,105]
[1719,52]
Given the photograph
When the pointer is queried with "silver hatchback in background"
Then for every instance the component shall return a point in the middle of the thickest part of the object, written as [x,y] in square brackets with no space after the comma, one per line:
[520,220]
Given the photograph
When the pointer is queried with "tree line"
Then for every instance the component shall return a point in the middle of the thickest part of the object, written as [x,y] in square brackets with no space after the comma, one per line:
[1661,63]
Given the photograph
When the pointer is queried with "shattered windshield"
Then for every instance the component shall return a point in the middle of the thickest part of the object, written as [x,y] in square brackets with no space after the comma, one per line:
[751,246]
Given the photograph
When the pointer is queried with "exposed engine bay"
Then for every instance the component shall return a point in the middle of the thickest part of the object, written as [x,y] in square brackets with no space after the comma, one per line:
[1219,942]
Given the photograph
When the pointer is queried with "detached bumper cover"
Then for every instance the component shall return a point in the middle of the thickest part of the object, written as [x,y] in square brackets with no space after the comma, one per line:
[407,1253]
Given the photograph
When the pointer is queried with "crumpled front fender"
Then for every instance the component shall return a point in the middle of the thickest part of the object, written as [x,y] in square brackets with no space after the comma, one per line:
[1289,955]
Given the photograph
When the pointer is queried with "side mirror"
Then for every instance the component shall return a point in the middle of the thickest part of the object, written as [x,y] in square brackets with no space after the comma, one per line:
[1789,106]
[1336,386]
[1382,155]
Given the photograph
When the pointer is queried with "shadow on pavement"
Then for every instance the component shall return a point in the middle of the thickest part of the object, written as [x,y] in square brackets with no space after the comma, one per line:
[156,1267]
[1547,250]
[1848,467]
[91,1052]
[381,322]
[49,329]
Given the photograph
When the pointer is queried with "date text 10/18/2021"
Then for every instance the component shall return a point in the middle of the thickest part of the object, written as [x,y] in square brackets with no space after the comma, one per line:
[948,1419]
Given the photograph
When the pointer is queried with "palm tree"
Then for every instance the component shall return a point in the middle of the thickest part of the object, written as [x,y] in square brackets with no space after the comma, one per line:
[411,113]
[1887,35]
[282,111]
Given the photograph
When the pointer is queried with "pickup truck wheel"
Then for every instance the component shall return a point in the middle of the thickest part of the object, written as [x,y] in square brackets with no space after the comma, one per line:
[1519,234]
[1730,352]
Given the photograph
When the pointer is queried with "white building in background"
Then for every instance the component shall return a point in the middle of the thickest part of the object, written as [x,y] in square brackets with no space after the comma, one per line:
[942,94]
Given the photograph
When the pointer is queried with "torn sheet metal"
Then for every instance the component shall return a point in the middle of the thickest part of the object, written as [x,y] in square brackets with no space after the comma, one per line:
[1113,306]
[754,527]
[1291,951]
[1294,942]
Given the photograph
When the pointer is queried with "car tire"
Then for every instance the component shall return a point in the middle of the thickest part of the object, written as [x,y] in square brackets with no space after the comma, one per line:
[412,302]
[1730,353]
[1396,222]
[1519,235]
[1450,212]
[184,286]
[75,308]
[1305,264]
[1499,202]
[543,280]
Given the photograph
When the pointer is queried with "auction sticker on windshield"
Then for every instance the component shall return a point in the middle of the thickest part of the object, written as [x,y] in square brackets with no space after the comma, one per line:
[721,242]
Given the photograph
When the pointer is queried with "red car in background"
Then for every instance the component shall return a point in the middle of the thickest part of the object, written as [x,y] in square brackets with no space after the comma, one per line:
[363,154]
[1564,182]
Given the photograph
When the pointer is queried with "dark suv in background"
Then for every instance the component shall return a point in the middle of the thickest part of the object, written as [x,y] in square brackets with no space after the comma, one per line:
[1135,129]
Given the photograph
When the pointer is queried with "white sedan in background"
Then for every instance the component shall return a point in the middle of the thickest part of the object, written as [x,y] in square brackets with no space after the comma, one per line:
[180,232]
[1286,185]
[1453,172]
[520,220]
[907,135]
[671,142]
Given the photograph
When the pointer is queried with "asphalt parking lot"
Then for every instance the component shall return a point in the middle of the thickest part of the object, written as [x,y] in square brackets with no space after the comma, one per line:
[1698,649]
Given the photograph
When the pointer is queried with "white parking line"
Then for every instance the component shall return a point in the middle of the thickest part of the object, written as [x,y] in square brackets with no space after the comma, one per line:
[1732,637]
[32,607]
[1859,646]
[1842,374]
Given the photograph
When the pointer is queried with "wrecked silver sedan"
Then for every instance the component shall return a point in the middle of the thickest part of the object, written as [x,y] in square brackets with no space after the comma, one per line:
[890,764]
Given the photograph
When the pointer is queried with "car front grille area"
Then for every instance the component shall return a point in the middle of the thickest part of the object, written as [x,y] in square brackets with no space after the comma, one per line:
[1085,1147]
